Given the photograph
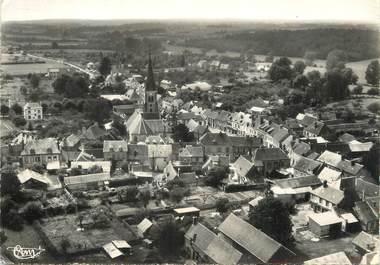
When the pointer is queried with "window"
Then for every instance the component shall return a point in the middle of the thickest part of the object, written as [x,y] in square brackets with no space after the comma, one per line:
[55,157]
[320,200]
[219,149]
[227,149]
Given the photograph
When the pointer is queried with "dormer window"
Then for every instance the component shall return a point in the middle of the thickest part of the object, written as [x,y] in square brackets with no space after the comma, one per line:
[32,151]
[120,149]
[49,150]
[111,149]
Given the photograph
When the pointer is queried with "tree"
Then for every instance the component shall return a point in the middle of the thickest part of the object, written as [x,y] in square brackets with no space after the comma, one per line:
[34,80]
[105,66]
[300,82]
[38,167]
[177,194]
[71,86]
[92,109]
[349,76]
[19,121]
[374,107]
[181,133]
[336,59]
[273,218]
[373,91]
[4,110]
[170,239]
[280,69]
[144,196]
[120,127]
[336,88]
[299,67]
[32,211]
[10,185]
[215,176]
[54,45]
[372,74]
[17,109]
[357,90]
[65,244]
[222,205]
[9,214]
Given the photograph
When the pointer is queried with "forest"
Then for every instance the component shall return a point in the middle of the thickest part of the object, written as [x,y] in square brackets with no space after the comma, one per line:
[359,44]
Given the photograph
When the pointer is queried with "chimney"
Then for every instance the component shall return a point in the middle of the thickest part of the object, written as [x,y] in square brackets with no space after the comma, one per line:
[195,222]
[325,185]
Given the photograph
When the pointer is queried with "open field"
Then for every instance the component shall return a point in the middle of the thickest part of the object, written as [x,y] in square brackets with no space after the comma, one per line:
[27,238]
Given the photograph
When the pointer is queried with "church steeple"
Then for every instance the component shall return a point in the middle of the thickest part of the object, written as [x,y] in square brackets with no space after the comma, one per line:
[149,82]
[151,110]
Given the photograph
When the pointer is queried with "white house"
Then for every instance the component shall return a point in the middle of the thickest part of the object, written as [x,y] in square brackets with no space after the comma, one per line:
[32,111]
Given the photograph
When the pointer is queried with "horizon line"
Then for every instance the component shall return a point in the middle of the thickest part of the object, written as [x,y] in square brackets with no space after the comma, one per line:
[220,20]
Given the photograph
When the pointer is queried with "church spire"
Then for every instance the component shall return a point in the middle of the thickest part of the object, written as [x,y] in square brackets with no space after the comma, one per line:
[149,83]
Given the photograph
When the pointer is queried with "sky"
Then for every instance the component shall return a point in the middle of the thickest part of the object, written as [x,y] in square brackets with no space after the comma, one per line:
[293,10]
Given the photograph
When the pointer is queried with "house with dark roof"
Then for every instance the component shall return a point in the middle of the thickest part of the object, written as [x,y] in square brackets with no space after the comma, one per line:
[41,151]
[243,172]
[306,166]
[316,129]
[255,245]
[138,154]
[368,218]
[115,150]
[193,155]
[70,147]
[267,160]
[325,198]
[204,246]
[301,148]
[276,137]
[351,168]
[216,144]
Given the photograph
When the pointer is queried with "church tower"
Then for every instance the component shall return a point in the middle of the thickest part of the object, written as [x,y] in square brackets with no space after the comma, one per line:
[151,111]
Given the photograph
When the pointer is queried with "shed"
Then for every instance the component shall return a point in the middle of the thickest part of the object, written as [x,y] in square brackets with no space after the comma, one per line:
[325,224]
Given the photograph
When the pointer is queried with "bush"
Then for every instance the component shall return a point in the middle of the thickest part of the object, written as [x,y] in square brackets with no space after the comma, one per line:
[374,107]
[373,91]
[32,211]
[177,194]
[19,121]
[222,205]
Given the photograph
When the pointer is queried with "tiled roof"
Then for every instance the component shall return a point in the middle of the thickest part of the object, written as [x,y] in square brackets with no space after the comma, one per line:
[339,258]
[364,212]
[350,167]
[215,139]
[329,194]
[346,138]
[251,239]
[330,158]
[222,252]
[315,128]
[269,154]
[41,146]
[325,218]
[301,148]
[116,145]
[329,175]
[191,151]
[365,241]
[242,166]
[297,182]
[306,165]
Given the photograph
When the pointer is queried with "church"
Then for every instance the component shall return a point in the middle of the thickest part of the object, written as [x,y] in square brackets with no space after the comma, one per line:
[146,122]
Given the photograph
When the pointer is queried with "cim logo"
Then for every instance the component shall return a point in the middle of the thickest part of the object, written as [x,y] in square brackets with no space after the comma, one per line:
[26,253]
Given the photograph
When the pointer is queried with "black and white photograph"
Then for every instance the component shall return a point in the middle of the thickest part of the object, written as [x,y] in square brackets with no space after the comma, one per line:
[190,132]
